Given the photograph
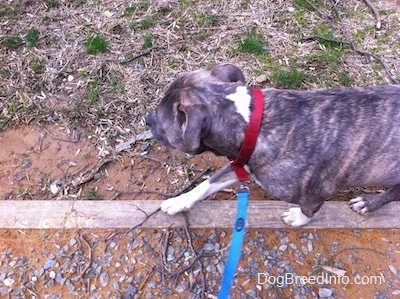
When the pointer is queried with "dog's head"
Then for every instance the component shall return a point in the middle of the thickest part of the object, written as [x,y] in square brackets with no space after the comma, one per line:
[196,109]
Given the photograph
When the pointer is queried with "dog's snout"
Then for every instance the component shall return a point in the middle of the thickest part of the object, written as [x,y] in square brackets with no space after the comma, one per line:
[150,118]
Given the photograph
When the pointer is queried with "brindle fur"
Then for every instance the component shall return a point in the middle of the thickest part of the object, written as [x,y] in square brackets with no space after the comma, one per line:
[311,143]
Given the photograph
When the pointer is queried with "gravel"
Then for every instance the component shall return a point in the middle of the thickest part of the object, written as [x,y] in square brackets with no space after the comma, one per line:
[130,267]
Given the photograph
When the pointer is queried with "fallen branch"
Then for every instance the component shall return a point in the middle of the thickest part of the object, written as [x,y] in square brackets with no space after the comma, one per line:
[376,13]
[89,255]
[124,60]
[127,144]
[89,174]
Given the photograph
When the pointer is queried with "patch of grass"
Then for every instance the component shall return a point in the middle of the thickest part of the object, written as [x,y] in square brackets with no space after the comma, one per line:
[206,19]
[327,57]
[344,79]
[93,92]
[146,23]
[36,65]
[147,42]
[116,83]
[32,37]
[52,3]
[253,43]
[96,44]
[302,4]
[324,31]
[291,79]
[132,8]
[300,18]
[91,194]
[13,42]
[10,11]
[186,3]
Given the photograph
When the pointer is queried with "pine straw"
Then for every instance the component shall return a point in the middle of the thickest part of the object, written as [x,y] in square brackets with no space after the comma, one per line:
[184,39]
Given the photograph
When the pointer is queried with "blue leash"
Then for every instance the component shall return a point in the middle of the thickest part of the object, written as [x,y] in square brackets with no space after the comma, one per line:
[235,250]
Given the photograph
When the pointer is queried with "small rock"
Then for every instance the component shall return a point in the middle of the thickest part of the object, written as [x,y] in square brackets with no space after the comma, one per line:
[104,279]
[392,269]
[208,246]
[115,285]
[324,292]
[131,290]
[49,263]
[72,242]
[27,164]
[8,282]
[52,274]
[261,79]
[283,248]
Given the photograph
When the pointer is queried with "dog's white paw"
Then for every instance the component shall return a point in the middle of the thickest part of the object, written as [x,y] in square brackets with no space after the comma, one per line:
[294,217]
[358,205]
[176,204]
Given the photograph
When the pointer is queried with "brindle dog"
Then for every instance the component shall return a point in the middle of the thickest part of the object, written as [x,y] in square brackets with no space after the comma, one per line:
[311,143]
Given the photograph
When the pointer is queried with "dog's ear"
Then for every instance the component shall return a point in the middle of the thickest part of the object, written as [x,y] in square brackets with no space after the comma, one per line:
[228,73]
[193,122]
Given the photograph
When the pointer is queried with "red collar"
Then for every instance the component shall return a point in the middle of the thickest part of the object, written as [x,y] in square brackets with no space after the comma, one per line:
[250,139]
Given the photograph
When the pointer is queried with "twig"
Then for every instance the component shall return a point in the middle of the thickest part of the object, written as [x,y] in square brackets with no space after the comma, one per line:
[359,52]
[59,138]
[145,280]
[376,13]
[88,175]
[358,248]
[186,188]
[89,256]
[148,216]
[127,144]
[321,13]
[32,292]
[126,60]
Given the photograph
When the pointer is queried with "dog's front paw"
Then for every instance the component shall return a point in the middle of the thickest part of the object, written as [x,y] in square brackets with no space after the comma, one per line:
[358,205]
[176,204]
[294,217]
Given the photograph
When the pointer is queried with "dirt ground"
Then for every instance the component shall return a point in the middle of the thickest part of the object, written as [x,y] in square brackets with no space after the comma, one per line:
[33,157]
[64,110]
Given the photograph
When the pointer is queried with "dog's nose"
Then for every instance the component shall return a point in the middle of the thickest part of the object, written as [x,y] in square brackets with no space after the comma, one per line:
[150,118]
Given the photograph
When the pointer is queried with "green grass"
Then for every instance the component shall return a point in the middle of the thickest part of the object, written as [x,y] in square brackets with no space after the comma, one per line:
[344,79]
[291,79]
[147,42]
[13,42]
[91,194]
[302,4]
[206,19]
[32,37]
[10,11]
[253,44]
[52,3]
[96,44]
[146,23]
[93,92]
[36,65]
[324,31]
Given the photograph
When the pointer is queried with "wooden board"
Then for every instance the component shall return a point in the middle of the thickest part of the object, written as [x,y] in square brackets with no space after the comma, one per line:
[16,214]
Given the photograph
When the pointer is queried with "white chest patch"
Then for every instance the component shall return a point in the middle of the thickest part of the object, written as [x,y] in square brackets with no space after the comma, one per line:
[242,100]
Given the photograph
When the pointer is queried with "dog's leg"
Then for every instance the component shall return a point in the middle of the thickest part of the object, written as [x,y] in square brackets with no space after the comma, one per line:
[371,202]
[221,179]
[302,215]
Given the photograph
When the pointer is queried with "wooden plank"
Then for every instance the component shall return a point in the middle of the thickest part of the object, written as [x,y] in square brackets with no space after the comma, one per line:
[16,214]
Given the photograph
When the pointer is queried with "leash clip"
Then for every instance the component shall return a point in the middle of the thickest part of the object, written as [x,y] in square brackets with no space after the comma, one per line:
[242,189]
